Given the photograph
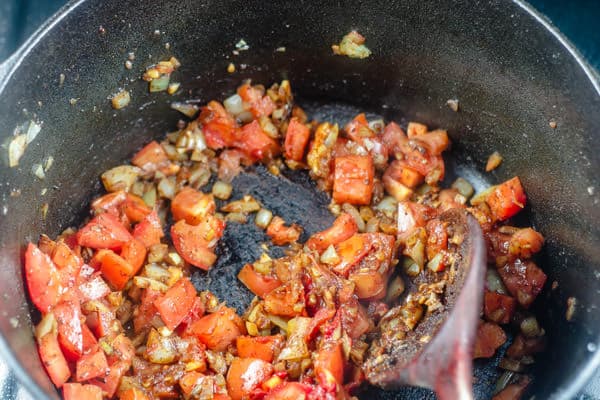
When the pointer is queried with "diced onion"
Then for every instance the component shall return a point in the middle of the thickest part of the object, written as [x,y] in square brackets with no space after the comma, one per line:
[387,206]
[493,161]
[395,289]
[121,100]
[120,178]
[189,110]
[246,205]
[149,197]
[494,283]
[463,187]
[278,321]
[295,348]
[166,188]
[238,217]
[263,218]
[159,84]
[530,327]
[350,209]
[377,125]
[481,196]
[510,365]
[434,263]
[268,127]
[47,325]
[222,190]
[16,149]
[330,256]
[38,171]
[245,116]
[233,105]
[503,381]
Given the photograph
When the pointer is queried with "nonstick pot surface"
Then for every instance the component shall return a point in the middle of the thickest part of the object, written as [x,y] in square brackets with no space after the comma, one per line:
[511,75]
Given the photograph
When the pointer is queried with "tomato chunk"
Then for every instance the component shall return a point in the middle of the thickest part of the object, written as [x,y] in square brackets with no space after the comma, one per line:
[262,347]
[370,275]
[260,105]
[195,242]
[219,329]
[133,394]
[91,366]
[93,289]
[70,335]
[498,308]
[296,139]
[358,128]
[350,252]
[329,366]
[259,284]
[134,252]
[343,227]
[192,206]
[150,156]
[149,231]
[219,127]
[523,279]
[110,382]
[77,391]
[289,391]
[353,180]
[53,359]
[135,208]
[176,303]
[507,199]
[105,231]
[286,300]
[400,172]
[255,143]
[280,234]
[43,279]
[488,338]
[245,375]
[115,269]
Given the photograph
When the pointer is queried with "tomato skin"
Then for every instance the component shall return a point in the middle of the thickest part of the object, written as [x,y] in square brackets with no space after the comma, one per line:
[192,206]
[507,199]
[329,366]
[488,339]
[195,242]
[70,335]
[176,303]
[149,231]
[219,329]
[115,269]
[262,347]
[353,180]
[255,143]
[43,279]
[296,139]
[343,227]
[259,284]
[110,202]
[91,366]
[104,231]
[77,391]
[245,375]
[53,359]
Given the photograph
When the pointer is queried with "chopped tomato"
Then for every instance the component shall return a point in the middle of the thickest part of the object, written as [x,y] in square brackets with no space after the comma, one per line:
[507,199]
[110,202]
[192,205]
[353,180]
[289,391]
[355,320]
[412,215]
[255,143]
[220,128]
[70,336]
[110,382]
[77,391]
[415,129]
[245,375]
[399,172]
[100,322]
[487,340]
[525,242]
[286,300]
[394,138]
[498,308]
[134,252]
[229,164]
[122,348]
[93,289]
[195,313]
[358,128]
[53,359]
[189,382]
[262,347]
[89,340]
[133,394]
[329,366]
[91,365]
[350,252]
[296,139]
[195,242]
[343,227]
[149,231]
[176,303]
[259,284]
[146,311]
[523,346]
[115,269]
[370,275]
[43,279]
[280,234]
[260,105]
[150,156]
[104,231]
[135,208]
[219,329]
[523,279]
[67,262]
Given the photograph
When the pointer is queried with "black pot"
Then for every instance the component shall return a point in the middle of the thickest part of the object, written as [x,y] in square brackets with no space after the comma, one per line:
[511,71]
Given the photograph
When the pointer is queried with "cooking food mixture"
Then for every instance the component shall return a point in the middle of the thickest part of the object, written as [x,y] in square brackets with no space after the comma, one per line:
[120,317]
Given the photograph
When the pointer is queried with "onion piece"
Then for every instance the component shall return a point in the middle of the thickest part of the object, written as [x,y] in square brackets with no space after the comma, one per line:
[47,325]
[263,218]
[246,205]
[159,84]
[494,282]
[166,188]
[121,99]
[395,289]
[120,178]
[330,256]
[278,321]
[295,348]
[222,190]
[233,105]
[189,110]
[503,381]
[387,206]
[481,196]
[463,187]
[350,209]
[493,162]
